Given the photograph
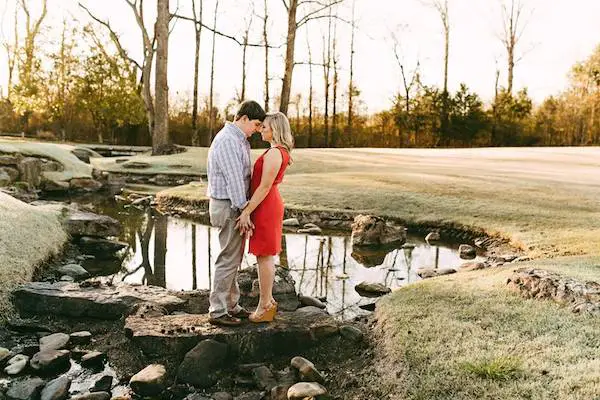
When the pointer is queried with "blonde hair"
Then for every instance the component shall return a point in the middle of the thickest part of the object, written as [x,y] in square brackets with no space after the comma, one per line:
[282,132]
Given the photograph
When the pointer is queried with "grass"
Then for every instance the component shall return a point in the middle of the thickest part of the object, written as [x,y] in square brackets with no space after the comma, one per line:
[500,368]
[29,235]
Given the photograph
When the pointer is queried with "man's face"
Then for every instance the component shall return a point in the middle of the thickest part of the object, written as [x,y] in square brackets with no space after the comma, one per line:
[250,126]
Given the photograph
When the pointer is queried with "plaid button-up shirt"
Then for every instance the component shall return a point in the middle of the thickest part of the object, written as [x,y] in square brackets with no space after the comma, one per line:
[228,166]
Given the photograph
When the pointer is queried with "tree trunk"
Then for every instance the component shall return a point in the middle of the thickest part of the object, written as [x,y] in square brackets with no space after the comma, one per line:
[289,57]
[212,81]
[266,43]
[326,71]
[160,136]
[197,31]
[310,96]
[334,121]
[351,83]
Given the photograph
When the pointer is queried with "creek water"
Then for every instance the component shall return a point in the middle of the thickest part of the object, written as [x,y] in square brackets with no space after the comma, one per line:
[180,254]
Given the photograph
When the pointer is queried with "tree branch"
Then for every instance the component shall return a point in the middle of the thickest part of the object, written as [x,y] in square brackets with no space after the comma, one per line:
[311,15]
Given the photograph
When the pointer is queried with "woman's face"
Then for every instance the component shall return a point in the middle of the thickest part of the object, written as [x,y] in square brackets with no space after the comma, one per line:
[266,132]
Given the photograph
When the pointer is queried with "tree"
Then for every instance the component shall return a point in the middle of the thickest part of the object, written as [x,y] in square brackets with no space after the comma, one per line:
[266,44]
[242,95]
[512,30]
[197,36]
[12,50]
[467,118]
[441,7]
[292,7]
[351,88]
[160,135]
[211,124]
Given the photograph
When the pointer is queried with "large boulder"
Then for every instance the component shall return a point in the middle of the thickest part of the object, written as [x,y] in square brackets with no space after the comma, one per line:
[50,361]
[371,289]
[30,170]
[56,341]
[81,223]
[100,247]
[200,364]
[368,230]
[86,184]
[75,271]
[306,390]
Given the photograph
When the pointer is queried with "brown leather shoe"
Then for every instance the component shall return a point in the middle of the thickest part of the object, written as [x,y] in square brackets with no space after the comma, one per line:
[243,313]
[225,320]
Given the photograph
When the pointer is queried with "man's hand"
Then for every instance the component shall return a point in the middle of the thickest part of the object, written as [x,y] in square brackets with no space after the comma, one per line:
[244,224]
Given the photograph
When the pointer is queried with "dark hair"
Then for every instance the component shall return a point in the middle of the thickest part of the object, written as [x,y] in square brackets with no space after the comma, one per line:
[252,110]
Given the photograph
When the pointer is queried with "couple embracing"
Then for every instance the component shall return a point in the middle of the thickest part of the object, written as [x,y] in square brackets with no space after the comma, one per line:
[245,203]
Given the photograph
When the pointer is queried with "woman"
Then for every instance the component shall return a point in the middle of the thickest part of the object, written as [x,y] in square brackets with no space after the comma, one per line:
[265,209]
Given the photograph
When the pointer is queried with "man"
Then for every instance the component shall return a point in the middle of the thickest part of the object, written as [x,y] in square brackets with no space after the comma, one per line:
[229,169]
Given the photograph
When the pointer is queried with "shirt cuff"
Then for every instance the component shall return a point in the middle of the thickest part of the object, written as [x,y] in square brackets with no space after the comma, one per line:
[240,208]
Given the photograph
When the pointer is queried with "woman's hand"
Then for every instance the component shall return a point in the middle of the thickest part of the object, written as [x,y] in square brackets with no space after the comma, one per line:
[244,224]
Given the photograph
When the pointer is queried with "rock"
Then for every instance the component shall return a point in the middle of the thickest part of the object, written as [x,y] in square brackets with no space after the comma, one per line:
[197,396]
[162,180]
[368,230]
[104,302]
[426,273]
[200,363]
[321,331]
[84,154]
[472,266]
[51,166]
[9,175]
[50,185]
[92,396]
[432,237]
[93,359]
[28,389]
[67,278]
[250,396]
[264,378]
[9,160]
[310,225]
[311,301]
[75,271]
[50,361]
[99,247]
[303,390]
[222,396]
[16,364]
[56,341]
[81,223]
[5,354]
[136,165]
[311,231]
[30,171]
[367,289]
[310,311]
[351,333]
[57,389]
[466,252]
[280,392]
[307,370]
[369,256]
[78,338]
[87,184]
[103,384]
[291,222]
[150,381]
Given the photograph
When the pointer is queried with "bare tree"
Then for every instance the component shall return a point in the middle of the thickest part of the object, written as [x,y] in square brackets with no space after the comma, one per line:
[12,49]
[512,29]
[32,29]
[441,6]
[326,77]
[266,43]
[310,94]
[242,95]
[160,135]
[211,124]
[197,35]
[308,14]
[351,88]
[334,121]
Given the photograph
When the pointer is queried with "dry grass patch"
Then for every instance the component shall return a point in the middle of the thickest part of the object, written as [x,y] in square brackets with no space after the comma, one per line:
[28,236]
[468,337]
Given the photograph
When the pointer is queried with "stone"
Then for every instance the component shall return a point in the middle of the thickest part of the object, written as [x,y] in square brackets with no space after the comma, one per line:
[136,165]
[99,247]
[311,231]
[67,278]
[369,289]
[368,230]
[432,237]
[351,333]
[150,381]
[16,364]
[78,338]
[311,301]
[51,185]
[86,184]
[75,271]
[5,354]
[466,252]
[307,370]
[310,312]
[103,384]
[57,389]
[200,363]
[92,396]
[52,166]
[303,390]
[321,331]
[12,173]
[264,378]
[9,160]
[28,389]
[4,178]
[93,359]
[222,396]
[81,223]
[103,302]
[472,266]
[50,361]
[197,396]
[368,306]
[369,256]
[56,341]
[291,222]
[426,273]
[250,396]
[280,392]
[30,171]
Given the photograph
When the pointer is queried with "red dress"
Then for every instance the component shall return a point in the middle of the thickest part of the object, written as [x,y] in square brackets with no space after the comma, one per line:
[268,216]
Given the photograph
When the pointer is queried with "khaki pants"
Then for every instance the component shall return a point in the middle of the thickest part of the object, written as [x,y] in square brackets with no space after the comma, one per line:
[225,292]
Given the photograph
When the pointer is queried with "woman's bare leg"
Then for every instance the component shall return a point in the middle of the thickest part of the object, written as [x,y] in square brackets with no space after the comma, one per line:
[266,276]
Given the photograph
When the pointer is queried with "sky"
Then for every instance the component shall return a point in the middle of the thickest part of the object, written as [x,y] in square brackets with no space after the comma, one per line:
[558,34]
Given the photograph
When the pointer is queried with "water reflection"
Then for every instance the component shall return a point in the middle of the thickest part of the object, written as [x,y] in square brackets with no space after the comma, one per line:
[179,255]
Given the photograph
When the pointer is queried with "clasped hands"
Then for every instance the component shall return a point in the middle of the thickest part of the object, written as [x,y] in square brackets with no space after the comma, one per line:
[244,224]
